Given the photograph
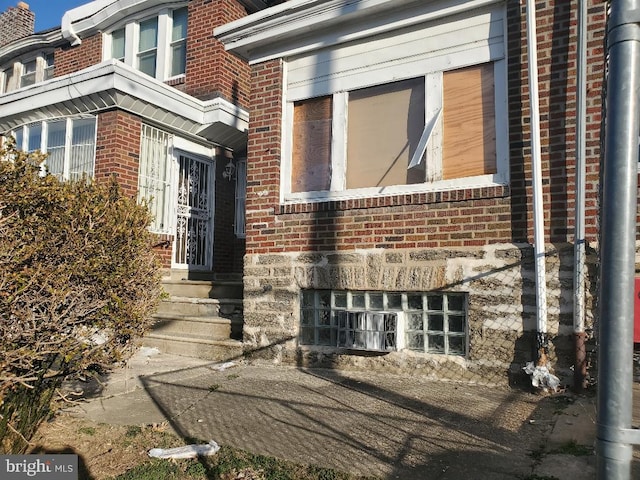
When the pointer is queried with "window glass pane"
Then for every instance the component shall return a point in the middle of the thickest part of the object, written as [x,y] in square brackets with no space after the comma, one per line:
[148,34]
[436,322]
[415,341]
[308,297]
[436,343]
[35,137]
[28,74]
[311,156]
[324,318]
[376,301]
[434,302]
[82,148]
[456,323]
[179,29]
[117,44]
[469,146]
[48,66]
[357,300]
[55,147]
[384,126]
[394,301]
[414,321]
[455,302]
[415,302]
[178,59]
[147,63]
[340,300]
[19,136]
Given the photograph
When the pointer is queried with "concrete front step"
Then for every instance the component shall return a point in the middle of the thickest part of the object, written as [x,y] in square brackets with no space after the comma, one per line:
[203,288]
[208,307]
[195,346]
[209,327]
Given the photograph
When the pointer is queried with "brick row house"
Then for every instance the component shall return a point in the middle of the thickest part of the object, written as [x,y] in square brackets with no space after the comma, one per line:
[363,166]
[140,90]
[389,216]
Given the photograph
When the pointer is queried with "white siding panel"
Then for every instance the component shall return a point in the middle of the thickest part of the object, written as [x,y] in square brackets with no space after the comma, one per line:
[442,45]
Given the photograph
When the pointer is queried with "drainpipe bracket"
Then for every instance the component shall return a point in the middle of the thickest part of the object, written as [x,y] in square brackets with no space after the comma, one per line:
[624,29]
[629,436]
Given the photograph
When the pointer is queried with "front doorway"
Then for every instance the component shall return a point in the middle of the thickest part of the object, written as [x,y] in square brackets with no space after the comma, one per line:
[193,247]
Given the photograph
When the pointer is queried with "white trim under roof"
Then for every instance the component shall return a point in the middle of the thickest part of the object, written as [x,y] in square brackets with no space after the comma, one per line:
[299,26]
[32,43]
[112,84]
[100,14]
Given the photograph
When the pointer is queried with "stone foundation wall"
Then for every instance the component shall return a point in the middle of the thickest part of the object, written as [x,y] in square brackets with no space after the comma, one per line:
[499,280]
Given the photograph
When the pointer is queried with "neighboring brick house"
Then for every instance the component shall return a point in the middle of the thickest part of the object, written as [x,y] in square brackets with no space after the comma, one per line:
[389,220]
[141,91]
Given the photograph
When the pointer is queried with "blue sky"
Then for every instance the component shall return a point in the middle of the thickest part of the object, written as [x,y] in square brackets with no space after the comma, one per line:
[48,12]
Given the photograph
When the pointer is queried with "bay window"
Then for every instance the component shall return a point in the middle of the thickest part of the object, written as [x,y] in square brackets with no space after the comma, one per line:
[155,45]
[69,144]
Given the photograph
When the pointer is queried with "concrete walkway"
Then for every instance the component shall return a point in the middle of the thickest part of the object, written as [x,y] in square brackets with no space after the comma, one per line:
[383,426]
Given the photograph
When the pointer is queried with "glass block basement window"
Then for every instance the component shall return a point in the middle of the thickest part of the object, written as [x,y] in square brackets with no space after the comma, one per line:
[429,322]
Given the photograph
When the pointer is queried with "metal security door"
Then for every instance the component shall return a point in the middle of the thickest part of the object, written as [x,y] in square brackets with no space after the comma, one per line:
[194,227]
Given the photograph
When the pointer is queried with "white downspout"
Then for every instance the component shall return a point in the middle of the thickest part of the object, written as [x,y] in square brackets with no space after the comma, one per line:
[536,174]
[580,364]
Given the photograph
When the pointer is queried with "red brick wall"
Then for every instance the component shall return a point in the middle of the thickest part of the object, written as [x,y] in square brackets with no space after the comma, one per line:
[118,155]
[211,71]
[118,149]
[15,23]
[557,57]
[70,59]
[470,217]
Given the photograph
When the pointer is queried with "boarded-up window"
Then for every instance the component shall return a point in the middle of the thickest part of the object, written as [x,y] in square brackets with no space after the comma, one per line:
[311,145]
[384,127]
[469,147]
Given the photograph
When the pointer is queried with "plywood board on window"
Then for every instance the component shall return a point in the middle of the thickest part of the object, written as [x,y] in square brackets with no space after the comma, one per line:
[384,127]
[311,157]
[469,146]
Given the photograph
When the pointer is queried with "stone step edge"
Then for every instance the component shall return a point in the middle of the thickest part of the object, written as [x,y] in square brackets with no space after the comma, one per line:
[196,339]
[171,281]
[192,318]
[203,301]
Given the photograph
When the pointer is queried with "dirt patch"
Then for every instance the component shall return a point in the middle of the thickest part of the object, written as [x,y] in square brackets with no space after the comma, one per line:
[104,450]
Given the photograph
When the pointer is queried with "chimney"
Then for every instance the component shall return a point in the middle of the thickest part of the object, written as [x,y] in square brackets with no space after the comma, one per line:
[16,22]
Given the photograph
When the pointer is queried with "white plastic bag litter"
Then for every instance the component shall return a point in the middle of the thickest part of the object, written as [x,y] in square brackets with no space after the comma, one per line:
[224,366]
[188,451]
[541,377]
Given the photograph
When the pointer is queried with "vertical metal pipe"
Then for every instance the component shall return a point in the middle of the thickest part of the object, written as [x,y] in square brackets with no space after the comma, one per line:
[579,245]
[618,236]
[536,174]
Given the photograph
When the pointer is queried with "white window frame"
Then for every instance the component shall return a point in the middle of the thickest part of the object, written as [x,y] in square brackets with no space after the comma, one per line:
[425,64]
[24,145]
[24,73]
[17,69]
[132,38]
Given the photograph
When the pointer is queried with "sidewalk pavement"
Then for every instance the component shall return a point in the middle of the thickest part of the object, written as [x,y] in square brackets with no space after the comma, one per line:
[391,427]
